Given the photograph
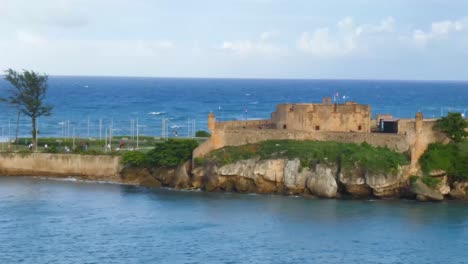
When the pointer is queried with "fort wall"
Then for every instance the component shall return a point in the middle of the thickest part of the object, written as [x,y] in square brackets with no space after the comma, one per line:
[105,168]
[349,117]
[346,123]
[244,124]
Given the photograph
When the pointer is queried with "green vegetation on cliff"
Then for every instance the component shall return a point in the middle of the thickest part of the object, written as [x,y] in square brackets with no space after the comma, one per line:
[453,125]
[168,153]
[452,158]
[347,155]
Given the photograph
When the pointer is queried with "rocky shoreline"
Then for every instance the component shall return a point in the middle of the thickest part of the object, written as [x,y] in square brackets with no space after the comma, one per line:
[288,177]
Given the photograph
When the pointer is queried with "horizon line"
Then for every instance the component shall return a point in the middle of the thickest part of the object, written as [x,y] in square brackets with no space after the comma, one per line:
[256,78]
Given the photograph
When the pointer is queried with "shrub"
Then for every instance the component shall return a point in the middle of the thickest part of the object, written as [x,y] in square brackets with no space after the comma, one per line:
[134,159]
[202,133]
[453,125]
[451,158]
[52,149]
[430,181]
[413,179]
[199,161]
[171,153]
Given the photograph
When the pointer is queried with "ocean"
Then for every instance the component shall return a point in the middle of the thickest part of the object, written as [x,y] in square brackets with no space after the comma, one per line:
[58,221]
[90,105]
[50,221]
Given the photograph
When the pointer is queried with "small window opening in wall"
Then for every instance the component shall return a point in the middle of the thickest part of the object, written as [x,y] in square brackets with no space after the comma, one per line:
[359,127]
[317,128]
[284,126]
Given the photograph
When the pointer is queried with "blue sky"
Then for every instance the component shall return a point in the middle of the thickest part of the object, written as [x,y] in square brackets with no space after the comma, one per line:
[337,39]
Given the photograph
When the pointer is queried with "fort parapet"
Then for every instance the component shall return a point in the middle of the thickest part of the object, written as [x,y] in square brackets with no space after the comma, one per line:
[347,123]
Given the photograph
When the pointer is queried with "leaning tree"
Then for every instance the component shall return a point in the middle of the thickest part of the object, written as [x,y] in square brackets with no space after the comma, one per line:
[27,93]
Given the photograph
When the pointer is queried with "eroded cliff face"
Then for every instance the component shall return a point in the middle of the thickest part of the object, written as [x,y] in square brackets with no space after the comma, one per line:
[278,176]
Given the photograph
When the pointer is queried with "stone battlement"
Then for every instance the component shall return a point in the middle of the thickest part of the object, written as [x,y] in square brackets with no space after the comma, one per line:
[348,123]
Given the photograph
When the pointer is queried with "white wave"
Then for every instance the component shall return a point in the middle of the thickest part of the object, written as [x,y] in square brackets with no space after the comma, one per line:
[156,113]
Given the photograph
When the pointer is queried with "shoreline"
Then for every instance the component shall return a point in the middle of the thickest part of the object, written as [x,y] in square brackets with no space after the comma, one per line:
[273,176]
[78,179]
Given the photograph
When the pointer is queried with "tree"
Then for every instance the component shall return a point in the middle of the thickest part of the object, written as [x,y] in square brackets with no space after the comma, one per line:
[202,133]
[27,92]
[453,125]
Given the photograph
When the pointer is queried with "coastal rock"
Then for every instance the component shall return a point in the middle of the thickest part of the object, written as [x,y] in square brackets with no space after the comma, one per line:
[459,191]
[355,183]
[139,176]
[197,177]
[253,175]
[181,178]
[164,175]
[270,170]
[424,192]
[210,178]
[386,185]
[443,187]
[269,175]
[244,168]
[322,182]
[294,179]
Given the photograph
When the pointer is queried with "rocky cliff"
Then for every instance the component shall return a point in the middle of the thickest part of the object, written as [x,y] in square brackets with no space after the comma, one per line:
[281,176]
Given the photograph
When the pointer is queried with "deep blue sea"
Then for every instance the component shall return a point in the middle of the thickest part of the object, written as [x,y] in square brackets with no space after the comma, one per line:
[45,221]
[82,102]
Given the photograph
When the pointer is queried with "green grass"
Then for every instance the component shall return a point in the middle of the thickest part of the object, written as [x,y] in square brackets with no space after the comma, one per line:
[96,146]
[374,159]
[430,181]
[168,153]
[452,158]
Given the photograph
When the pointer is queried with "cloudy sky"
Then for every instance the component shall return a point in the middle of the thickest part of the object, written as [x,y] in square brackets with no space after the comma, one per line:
[338,39]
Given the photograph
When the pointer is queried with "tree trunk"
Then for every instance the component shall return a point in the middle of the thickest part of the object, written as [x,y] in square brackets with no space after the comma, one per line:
[17,129]
[33,119]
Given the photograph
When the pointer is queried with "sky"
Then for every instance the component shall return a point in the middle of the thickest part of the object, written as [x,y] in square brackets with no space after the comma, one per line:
[312,39]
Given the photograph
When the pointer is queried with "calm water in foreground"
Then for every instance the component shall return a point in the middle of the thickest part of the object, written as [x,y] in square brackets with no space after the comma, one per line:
[47,221]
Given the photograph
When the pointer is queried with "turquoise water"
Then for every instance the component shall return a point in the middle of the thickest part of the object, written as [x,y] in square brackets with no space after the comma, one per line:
[50,221]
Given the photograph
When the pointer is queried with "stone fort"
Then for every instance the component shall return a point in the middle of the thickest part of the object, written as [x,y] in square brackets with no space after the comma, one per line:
[348,123]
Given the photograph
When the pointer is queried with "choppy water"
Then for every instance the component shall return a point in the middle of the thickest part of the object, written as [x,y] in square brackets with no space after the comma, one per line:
[83,101]
[45,221]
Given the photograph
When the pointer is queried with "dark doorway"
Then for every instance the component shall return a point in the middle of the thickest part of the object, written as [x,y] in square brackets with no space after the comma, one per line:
[389,126]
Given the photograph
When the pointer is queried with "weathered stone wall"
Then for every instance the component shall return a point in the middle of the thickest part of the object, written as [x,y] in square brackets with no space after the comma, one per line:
[245,123]
[348,117]
[245,136]
[238,137]
[92,167]
[419,136]
[347,123]
[203,149]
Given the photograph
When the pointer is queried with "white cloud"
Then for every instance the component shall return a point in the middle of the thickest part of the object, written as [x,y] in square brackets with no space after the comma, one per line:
[262,46]
[29,39]
[440,29]
[345,39]
[56,13]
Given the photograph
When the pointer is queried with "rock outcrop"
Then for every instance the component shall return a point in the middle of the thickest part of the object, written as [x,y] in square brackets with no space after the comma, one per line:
[322,182]
[459,191]
[386,185]
[290,177]
[424,192]
[443,186]
[354,182]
